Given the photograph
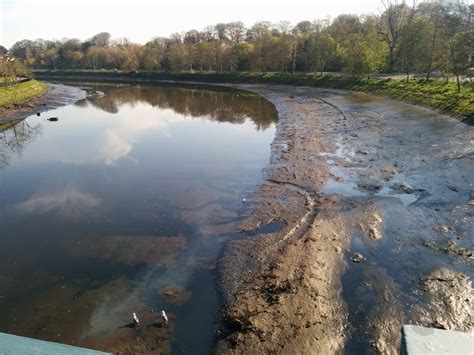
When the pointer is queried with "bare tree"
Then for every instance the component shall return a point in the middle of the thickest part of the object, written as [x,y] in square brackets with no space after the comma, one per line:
[236,31]
[390,26]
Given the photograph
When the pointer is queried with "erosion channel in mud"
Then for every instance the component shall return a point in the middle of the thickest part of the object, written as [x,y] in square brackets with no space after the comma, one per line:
[122,205]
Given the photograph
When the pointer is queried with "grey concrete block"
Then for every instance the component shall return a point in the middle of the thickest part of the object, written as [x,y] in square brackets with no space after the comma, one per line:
[418,340]
[16,345]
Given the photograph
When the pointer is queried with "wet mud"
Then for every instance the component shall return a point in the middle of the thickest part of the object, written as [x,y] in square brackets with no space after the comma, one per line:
[375,200]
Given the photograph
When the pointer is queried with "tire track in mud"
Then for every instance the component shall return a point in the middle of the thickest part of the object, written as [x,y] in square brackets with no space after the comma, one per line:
[303,225]
[300,228]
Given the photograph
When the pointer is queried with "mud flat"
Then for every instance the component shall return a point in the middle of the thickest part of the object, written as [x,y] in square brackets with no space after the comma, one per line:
[376,202]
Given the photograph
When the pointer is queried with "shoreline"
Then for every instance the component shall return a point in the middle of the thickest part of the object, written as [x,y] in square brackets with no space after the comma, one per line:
[55,95]
[433,95]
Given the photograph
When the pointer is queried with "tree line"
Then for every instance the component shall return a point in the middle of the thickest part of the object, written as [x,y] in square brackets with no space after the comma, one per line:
[423,38]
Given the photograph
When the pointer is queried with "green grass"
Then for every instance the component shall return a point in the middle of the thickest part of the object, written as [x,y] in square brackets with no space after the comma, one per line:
[20,93]
[436,94]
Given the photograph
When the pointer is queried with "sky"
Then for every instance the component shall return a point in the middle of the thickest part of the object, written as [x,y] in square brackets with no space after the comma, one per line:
[141,20]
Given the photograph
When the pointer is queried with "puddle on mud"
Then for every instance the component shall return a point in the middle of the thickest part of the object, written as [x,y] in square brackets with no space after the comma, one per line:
[130,192]
[346,184]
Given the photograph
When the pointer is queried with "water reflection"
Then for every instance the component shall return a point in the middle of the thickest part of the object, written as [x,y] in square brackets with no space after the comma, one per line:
[13,137]
[219,105]
[69,202]
[123,202]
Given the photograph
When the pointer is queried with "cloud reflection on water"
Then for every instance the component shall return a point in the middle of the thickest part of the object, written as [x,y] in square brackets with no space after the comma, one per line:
[119,140]
[69,202]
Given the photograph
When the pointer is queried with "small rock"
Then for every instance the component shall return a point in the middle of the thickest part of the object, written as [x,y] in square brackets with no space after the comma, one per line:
[357,258]
[406,189]
[441,228]
[374,233]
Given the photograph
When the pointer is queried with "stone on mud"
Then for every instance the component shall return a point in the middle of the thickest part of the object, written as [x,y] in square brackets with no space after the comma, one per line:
[358,258]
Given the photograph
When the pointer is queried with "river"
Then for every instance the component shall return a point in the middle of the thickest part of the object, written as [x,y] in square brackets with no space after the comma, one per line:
[123,205]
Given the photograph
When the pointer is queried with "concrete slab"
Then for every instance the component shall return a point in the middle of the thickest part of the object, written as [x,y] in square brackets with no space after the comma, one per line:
[16,345]
[418,340]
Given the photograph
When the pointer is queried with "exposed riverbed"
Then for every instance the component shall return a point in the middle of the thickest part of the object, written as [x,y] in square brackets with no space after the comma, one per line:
[377,196]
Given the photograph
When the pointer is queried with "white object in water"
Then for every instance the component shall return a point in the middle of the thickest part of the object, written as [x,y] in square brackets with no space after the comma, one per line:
[244,200]
[135,319]
[164,316]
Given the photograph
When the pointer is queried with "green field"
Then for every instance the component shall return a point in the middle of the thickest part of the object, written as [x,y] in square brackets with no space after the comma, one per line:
[20,93]
[437,94]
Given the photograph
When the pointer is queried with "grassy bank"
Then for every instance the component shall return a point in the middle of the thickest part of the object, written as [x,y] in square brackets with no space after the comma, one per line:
[433,93]
[20,93]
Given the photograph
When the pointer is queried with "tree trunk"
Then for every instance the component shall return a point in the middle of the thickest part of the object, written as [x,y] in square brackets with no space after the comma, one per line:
[390,59]
[456,69]
[457,80]
[293,59]
[430,58]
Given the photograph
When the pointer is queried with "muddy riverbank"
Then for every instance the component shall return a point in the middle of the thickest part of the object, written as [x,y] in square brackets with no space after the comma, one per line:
[56,95]
[376,198]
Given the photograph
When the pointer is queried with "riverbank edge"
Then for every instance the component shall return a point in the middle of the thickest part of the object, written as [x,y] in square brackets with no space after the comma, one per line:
[53,96]
[17,96]
[433,94]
